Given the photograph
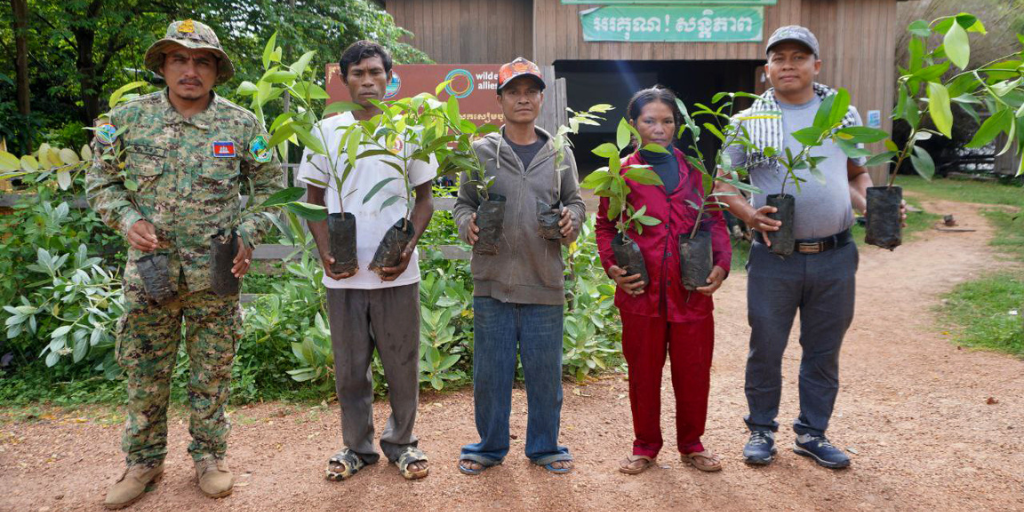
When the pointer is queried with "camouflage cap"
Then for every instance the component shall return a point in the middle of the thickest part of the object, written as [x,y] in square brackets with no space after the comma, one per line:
[194,35]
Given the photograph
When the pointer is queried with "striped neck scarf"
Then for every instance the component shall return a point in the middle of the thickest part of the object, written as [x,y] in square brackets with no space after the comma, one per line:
[769,132]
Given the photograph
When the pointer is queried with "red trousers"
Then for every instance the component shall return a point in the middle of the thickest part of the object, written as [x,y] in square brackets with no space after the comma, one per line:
[645,343]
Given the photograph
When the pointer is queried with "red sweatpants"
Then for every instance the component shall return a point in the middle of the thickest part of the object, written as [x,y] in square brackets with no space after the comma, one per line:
[645,342]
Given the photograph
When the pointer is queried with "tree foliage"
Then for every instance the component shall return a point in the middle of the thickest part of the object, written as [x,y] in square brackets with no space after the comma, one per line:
[79,51]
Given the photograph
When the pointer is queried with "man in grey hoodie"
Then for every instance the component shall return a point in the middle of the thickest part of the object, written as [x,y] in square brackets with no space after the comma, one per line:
[519,295]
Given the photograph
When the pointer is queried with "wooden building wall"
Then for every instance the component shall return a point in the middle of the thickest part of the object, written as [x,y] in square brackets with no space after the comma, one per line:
[857,39]
[467,31]
[559,35]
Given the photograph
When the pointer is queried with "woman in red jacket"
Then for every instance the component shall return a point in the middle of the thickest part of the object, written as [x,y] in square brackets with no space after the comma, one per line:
[660,317]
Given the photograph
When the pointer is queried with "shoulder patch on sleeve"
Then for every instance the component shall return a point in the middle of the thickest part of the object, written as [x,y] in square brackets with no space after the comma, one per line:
[260,150]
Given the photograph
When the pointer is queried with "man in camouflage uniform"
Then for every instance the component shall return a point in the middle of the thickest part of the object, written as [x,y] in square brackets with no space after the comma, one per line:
[167,174]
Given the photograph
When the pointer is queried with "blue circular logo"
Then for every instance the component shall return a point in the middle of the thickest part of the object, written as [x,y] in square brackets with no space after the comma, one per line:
[460,83]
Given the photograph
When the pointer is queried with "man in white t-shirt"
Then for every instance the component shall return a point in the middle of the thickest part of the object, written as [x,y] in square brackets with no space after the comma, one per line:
[367,310]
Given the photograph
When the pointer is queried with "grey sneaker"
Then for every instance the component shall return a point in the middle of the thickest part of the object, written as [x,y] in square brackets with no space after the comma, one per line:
[821,450]
[760,449]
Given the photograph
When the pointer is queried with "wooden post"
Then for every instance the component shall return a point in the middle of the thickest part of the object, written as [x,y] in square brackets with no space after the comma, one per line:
[553,113]
[1007,163]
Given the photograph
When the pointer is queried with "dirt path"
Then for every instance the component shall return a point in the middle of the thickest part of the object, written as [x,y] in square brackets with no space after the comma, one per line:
[913,408]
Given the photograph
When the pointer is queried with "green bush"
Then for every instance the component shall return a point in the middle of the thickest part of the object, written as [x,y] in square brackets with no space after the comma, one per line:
[64,302]
[61,294]
[592,340]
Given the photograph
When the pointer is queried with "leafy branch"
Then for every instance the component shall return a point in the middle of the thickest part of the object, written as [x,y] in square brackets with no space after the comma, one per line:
[610,181]
[996,86]
[728,132]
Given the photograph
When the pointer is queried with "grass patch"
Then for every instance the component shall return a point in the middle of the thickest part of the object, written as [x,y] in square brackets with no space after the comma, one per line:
[965,191]
[35,385]
[1009,226]
[979,312]
[988,312]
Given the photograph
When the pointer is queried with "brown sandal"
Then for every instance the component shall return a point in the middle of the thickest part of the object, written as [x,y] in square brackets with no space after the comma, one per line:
[625,468]
[704,461]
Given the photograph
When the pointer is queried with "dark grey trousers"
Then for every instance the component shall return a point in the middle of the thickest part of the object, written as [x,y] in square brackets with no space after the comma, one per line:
[822,288]
[387,319]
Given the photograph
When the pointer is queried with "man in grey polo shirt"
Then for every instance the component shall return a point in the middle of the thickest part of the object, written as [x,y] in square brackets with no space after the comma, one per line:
[818,280]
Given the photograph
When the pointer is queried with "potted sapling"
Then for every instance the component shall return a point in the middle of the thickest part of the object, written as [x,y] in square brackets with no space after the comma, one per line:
[416,131]
[610,182]
[302,126]
[832,121]
[224,244]
[696,256]
[550,214]
[995,88]
[454,153]
[490,215]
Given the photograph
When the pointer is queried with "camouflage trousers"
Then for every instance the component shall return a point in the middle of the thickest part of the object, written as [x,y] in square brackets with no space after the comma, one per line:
[147,349]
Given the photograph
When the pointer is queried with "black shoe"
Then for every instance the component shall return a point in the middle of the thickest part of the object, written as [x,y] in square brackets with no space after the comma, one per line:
[760,448]
[821,450]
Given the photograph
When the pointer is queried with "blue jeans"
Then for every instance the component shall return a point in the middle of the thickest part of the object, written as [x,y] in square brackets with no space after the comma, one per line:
[498,326]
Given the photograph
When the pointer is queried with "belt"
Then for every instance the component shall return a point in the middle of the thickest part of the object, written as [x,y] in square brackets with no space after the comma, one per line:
[817,245]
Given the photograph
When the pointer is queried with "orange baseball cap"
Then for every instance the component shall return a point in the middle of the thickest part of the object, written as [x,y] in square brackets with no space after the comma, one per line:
[517,68]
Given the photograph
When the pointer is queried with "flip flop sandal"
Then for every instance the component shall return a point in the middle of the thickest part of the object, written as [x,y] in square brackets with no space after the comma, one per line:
[466,470]
[411,456]
[624,467]
[349,462]
[561,471]
[704,461]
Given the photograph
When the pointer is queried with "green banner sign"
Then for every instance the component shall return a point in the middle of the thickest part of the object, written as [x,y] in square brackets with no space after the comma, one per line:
[663,23]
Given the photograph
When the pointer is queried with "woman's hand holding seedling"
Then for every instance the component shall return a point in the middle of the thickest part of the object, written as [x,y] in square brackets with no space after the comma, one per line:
[632,285]
[714,281]
[242,260]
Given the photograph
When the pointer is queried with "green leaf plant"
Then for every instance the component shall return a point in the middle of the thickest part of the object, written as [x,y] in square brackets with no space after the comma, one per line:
[295,126]
[926,86]
[720,125]
[592,117]
[827,126]
[610,181]
[420,128]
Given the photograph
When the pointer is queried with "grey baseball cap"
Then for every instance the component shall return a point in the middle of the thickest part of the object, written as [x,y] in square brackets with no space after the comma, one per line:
[794,33]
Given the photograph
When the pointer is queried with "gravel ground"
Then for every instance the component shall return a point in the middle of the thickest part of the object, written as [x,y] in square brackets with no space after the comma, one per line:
[914,412]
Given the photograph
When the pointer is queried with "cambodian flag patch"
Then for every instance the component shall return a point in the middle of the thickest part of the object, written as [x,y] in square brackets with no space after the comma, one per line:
[224,149]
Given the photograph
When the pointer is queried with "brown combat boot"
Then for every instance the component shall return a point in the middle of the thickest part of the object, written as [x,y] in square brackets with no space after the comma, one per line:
[215,479]
[132,485]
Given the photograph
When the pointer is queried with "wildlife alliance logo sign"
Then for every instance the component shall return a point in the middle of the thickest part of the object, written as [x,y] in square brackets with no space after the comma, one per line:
[474,85]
